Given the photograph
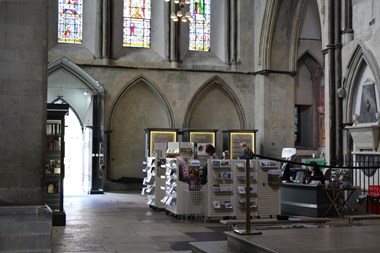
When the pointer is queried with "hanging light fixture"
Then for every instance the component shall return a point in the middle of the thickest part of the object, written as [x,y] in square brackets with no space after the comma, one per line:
[181,13]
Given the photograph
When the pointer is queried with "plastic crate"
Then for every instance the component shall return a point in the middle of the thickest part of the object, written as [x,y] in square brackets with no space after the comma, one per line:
[374,190]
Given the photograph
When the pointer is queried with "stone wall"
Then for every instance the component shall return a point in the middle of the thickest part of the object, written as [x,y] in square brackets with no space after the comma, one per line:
[25,222]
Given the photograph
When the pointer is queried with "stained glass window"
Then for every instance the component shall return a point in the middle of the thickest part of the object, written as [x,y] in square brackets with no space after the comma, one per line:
[199,29]
[136,23]
[70,21]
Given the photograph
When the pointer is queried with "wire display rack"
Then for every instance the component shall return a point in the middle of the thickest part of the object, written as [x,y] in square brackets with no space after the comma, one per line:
[194,204]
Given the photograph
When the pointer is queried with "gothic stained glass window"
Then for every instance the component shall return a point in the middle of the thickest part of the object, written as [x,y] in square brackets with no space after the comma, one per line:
[136,23]
[199,29]
[70,21]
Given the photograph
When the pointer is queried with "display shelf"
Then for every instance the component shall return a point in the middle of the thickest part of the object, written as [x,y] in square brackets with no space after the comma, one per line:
[154,182]
[240,193]
[268,189]
[54,161]
[226,196]
[219,201]
[183,194]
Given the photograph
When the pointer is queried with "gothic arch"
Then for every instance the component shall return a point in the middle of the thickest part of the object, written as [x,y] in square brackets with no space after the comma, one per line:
[139,105]
[78,72]
[311,63]
[225,89]
[361,57]
[152,87]
[69,82]
[310,134]
[279,25]
[60,100]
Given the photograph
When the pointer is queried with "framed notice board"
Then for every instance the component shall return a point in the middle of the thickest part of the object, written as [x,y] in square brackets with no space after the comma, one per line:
[201,137]
[156,140]
[233,138]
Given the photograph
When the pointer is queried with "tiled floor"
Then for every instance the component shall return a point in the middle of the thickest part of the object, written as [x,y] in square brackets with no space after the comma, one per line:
[122,222]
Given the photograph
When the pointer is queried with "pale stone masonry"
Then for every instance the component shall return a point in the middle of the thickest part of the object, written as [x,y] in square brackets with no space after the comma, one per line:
[25,221]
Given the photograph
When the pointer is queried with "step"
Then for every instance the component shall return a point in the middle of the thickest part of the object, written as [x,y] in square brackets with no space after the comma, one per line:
[211,247]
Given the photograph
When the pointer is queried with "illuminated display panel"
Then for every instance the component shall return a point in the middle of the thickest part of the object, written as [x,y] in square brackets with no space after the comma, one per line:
[159,140]
[70,21]
[199,28]
[202,137]
[136,23]
[236,139]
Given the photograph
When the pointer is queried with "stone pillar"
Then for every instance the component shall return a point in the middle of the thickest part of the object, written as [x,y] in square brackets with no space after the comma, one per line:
[25,221]
[274,106]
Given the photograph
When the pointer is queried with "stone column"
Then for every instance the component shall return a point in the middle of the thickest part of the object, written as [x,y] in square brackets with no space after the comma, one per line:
[25,221]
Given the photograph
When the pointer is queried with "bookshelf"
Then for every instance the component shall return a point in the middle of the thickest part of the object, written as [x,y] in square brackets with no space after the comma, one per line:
[54,171]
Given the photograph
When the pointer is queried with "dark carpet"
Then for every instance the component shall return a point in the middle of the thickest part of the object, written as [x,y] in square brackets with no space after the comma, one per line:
[216,235]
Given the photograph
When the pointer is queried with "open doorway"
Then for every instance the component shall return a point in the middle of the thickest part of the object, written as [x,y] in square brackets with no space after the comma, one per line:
[73,182]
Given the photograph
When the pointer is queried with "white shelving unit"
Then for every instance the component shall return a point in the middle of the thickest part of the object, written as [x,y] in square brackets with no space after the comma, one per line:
[153,182]
[219,199]
[180,199]
[240,192]
[269,204]
[225,194]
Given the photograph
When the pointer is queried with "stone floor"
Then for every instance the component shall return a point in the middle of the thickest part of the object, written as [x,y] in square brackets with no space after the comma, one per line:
[122,222]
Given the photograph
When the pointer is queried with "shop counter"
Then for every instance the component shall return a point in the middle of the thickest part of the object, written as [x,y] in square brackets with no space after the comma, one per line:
[304,200]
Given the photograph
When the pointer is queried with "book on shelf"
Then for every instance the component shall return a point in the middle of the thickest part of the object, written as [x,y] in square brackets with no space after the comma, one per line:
[242,204]
[225,164]
[241,189]
[227,175]
[216,164]
[216,203]
[227,204]
[216,187]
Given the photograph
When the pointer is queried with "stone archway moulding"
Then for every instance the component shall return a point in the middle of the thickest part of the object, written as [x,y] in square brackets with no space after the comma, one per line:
[153,88]
[78,72]
[273,10]
[87,81]
[361,56]
[225,89]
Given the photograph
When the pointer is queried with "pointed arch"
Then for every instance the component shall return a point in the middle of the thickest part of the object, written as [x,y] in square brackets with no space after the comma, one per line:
[89,82]
[85,95]
[311,63]
[139,105]
[279,25]
[360,58]
[153,88]
[226,90]
[60,100]
[309,102]
[72,85]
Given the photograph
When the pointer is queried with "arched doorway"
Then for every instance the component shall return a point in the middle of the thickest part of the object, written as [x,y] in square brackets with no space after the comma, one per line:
[68,83]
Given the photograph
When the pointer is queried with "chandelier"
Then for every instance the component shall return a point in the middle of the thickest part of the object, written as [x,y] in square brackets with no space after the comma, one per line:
[180,11]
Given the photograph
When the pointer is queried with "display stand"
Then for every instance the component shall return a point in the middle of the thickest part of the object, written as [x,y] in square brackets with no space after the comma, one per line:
[268,188]
[182,198]
[226,189]
[220,189]
[154,182]
[54,166]
[241,188]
